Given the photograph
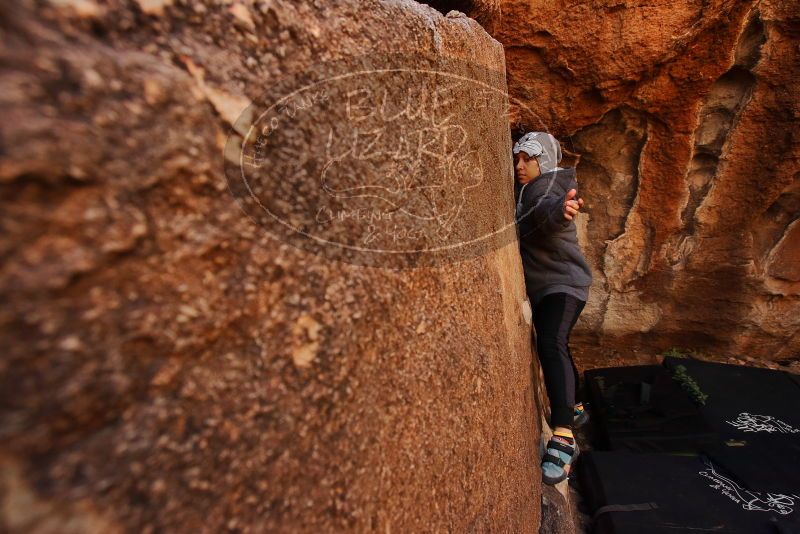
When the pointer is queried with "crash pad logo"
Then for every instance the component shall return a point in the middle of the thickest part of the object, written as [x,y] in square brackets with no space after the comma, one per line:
[761,423]
[378,160]
[754,501]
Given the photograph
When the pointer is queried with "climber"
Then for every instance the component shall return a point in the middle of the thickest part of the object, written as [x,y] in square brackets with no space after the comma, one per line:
[557,280]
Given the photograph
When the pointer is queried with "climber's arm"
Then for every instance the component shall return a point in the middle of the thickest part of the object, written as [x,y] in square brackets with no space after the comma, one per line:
[542,213]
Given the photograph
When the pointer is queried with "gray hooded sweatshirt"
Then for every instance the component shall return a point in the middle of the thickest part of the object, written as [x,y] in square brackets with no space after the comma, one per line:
[551,257]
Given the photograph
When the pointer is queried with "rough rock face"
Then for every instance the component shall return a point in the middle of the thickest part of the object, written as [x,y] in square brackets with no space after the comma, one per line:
[684,120]
[168,365]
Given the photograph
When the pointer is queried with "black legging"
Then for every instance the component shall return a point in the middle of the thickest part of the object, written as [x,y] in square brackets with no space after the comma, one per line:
[553,319]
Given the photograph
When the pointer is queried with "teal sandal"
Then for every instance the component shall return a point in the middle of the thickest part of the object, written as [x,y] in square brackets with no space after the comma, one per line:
[559,455]
[581,415]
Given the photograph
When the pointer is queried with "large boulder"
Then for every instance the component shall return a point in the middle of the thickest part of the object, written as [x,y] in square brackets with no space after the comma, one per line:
[173,359]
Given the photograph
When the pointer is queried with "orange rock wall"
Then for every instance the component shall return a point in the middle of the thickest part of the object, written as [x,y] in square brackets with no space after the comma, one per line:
[683,119]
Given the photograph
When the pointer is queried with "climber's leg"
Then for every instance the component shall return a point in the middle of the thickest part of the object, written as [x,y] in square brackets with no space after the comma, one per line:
[553,320]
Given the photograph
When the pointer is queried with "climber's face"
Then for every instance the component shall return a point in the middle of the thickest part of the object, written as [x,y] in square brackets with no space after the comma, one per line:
[527,167]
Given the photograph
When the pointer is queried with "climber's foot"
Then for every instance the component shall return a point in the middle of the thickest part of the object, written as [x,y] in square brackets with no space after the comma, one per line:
[561,452]
[581,415]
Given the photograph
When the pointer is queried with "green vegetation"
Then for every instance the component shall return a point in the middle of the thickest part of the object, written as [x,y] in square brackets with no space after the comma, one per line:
[675,353]
[686,353]
[689,385]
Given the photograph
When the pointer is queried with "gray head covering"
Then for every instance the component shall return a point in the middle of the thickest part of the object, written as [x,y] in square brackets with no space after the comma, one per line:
[542,146]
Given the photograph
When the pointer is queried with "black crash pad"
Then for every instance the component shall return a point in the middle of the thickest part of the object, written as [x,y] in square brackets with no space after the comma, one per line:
[642,409]
[634,493]
[746,402]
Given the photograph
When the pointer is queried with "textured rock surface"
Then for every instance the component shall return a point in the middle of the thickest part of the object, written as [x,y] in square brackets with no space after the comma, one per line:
[684,119]
[167,365]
